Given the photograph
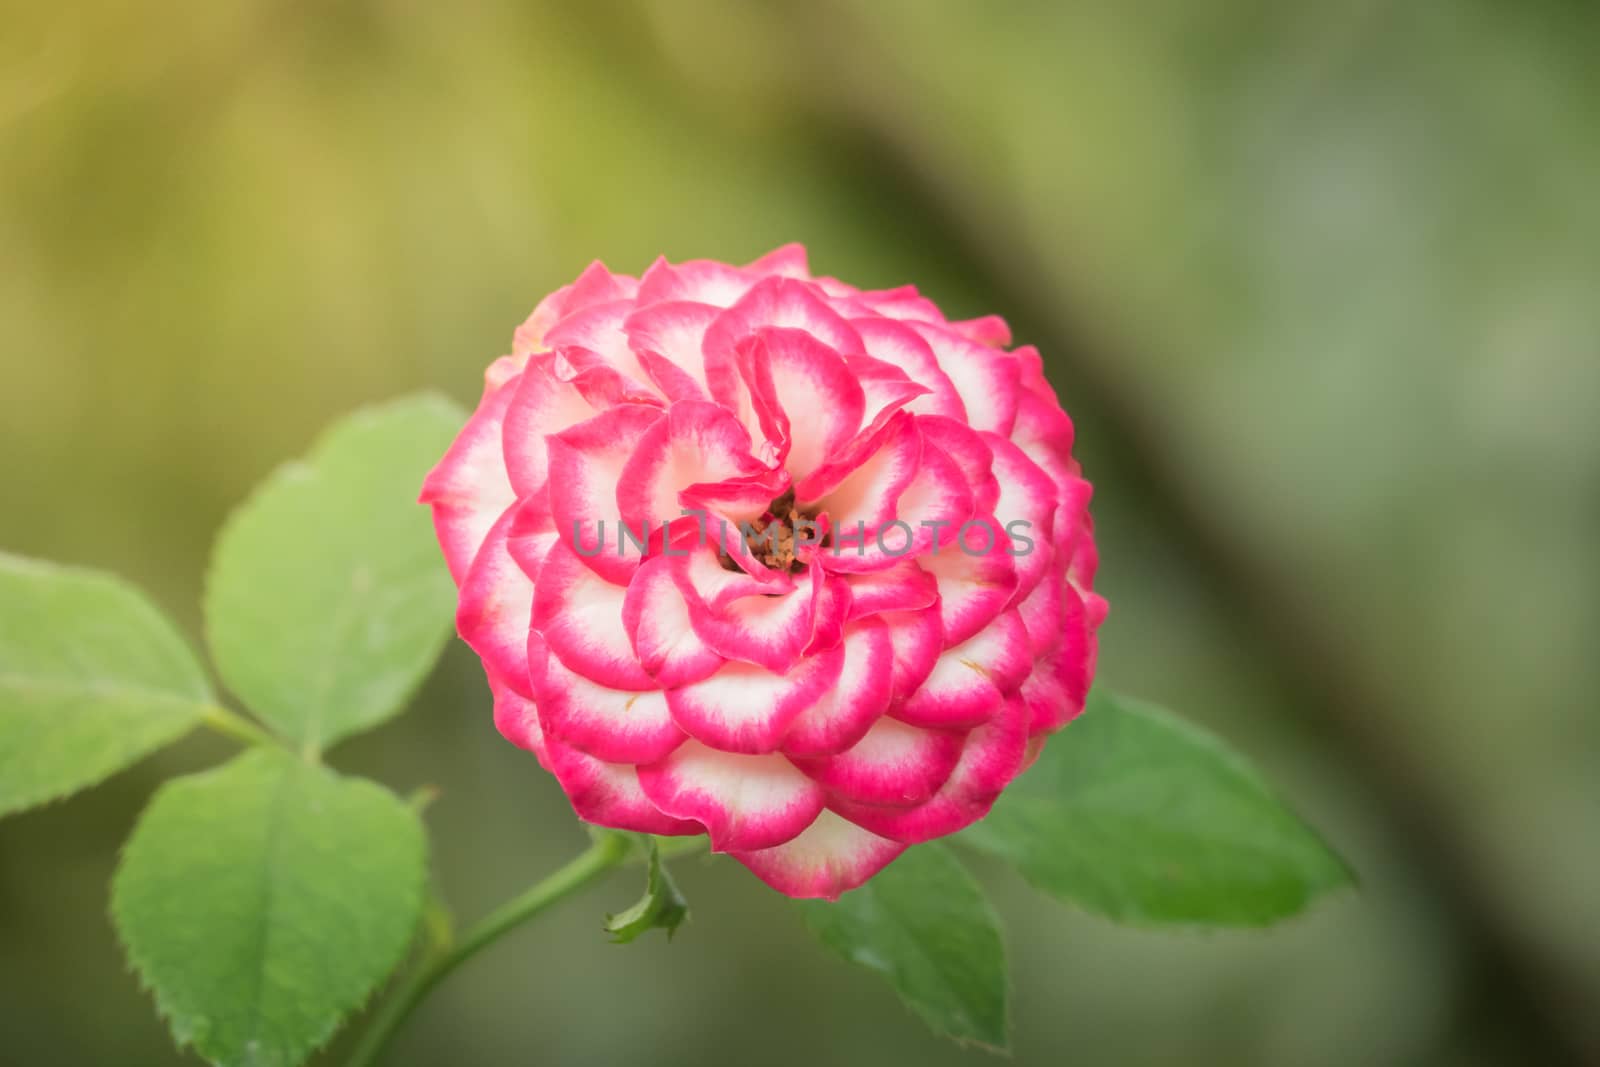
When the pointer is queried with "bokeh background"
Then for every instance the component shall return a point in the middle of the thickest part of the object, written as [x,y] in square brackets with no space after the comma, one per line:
[1320,284]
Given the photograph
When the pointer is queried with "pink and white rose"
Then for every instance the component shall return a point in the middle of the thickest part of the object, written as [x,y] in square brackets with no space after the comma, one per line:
[760,555]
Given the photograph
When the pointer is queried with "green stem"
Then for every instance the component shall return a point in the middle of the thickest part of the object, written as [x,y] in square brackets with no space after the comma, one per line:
[670,848]
[606,852]
[232,724]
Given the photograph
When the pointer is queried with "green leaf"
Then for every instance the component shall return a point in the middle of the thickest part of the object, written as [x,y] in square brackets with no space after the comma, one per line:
[661,907]
[92,678]
[924,924]
[327,601]
[263,900]
[1137,816]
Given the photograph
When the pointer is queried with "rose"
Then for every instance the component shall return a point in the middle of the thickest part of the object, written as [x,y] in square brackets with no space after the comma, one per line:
[814,708]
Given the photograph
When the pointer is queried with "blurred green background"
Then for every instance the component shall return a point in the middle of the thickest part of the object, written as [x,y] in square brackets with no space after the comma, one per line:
[1320,284]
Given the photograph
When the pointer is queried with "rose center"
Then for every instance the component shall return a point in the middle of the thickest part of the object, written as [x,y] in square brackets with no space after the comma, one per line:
[777,536]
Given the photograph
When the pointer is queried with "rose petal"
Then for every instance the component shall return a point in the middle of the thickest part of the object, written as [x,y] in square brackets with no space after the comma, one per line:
[989,330]
[986,379]
[1055,691]
[540,405]
[580,615]
[993,756]
[755,625]
[596,285]
[517,719]
[903,586]
[830,857]
[971,680]
[971,453]
[656,618]
[744,801]
[917,638]
[885,389]
[532,533]
[701,280]
[1027,506]
[902,302]
[667,339]
[746,708]
[595,335]
[586,465]
[495,608]
[469,488]
[608,794]
[899,345]
[894,763]
[779,301]
[698,448]
[934,504]
[819,402]
[1043,612]
[788,260]
[846,711]
[609,724]
[973,587]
